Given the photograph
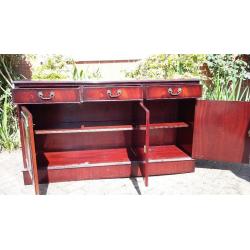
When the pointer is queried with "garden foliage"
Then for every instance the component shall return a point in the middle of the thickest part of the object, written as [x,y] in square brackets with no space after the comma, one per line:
[222,75]
[50,67]
[164,66]
[9,136]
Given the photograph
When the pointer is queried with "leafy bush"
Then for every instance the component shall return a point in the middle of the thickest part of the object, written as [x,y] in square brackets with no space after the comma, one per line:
[164,66]
[223,78]
[226,75]
[59,67]
[53,67]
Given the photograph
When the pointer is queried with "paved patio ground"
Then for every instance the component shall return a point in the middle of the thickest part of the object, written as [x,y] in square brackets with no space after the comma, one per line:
[208,178]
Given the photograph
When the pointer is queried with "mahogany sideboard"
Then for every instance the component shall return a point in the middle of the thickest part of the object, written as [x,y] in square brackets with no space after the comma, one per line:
[76,130]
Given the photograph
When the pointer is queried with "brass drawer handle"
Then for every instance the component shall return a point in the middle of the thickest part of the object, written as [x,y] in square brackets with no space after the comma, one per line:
[115,95]
[51,95]
[171,92]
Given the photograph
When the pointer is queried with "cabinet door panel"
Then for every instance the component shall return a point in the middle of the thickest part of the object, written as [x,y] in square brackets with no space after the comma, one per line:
[141,139]
[29,147]
[221,131]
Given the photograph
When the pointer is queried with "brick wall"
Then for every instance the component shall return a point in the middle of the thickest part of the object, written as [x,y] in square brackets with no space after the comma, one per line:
[24,68]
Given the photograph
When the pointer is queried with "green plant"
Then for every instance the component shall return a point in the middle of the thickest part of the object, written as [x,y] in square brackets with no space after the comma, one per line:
[80,74]
[9,139]
[8,122]
[164,66]
[51,67]
[223,81]
[227,75]
[8,71]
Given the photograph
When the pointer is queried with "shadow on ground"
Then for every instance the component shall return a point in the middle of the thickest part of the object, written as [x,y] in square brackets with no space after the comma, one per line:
[240,170]
[136,185]
[43,188]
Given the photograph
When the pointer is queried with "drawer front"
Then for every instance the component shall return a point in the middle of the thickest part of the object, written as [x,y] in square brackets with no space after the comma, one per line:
[112,93]
[173,91]
[46,95]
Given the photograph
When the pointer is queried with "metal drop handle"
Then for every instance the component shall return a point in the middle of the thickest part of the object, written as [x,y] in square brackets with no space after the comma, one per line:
[171,91]
[115,95]
[51,95]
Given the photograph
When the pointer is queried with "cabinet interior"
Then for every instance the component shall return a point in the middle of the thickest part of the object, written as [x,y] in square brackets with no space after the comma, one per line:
[111,133]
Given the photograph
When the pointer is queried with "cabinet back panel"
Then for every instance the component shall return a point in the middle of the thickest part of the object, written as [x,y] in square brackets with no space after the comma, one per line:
[70,115]
[87,114]
[99,114]
[184,137]
[78,141]
[162,110]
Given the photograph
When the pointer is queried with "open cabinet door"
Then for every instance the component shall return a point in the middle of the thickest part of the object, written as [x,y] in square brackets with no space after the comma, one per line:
[141,139]
[28,147]
[221,131]
[146,144]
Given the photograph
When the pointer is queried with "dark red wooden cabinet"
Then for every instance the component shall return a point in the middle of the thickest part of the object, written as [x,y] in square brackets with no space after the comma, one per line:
[103,129]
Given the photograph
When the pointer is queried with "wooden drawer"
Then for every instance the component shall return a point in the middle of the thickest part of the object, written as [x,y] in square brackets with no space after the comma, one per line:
[46,95]
[173,91]
[112,93]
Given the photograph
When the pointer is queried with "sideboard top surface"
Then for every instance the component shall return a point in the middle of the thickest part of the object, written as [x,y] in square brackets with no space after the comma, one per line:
[46,83]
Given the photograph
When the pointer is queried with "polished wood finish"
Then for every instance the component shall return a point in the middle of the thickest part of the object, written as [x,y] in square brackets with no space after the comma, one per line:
[184,135]
[109,157]
[118,171]
[120,159]
[145,152]
[22,136]
[90,114]
[110,129]
[31,92]
[173,91]
[111,93]
[46,95]
[29,147]
[87,158]
[66,83]
[221,129]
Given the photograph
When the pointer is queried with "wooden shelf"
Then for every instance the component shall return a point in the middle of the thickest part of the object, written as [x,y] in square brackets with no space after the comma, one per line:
[169,125]
[113,128]
[109,157]
[167,153]
[86,129]
[87,158]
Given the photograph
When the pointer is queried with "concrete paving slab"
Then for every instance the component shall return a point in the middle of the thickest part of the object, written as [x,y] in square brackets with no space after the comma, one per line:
[208,178]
